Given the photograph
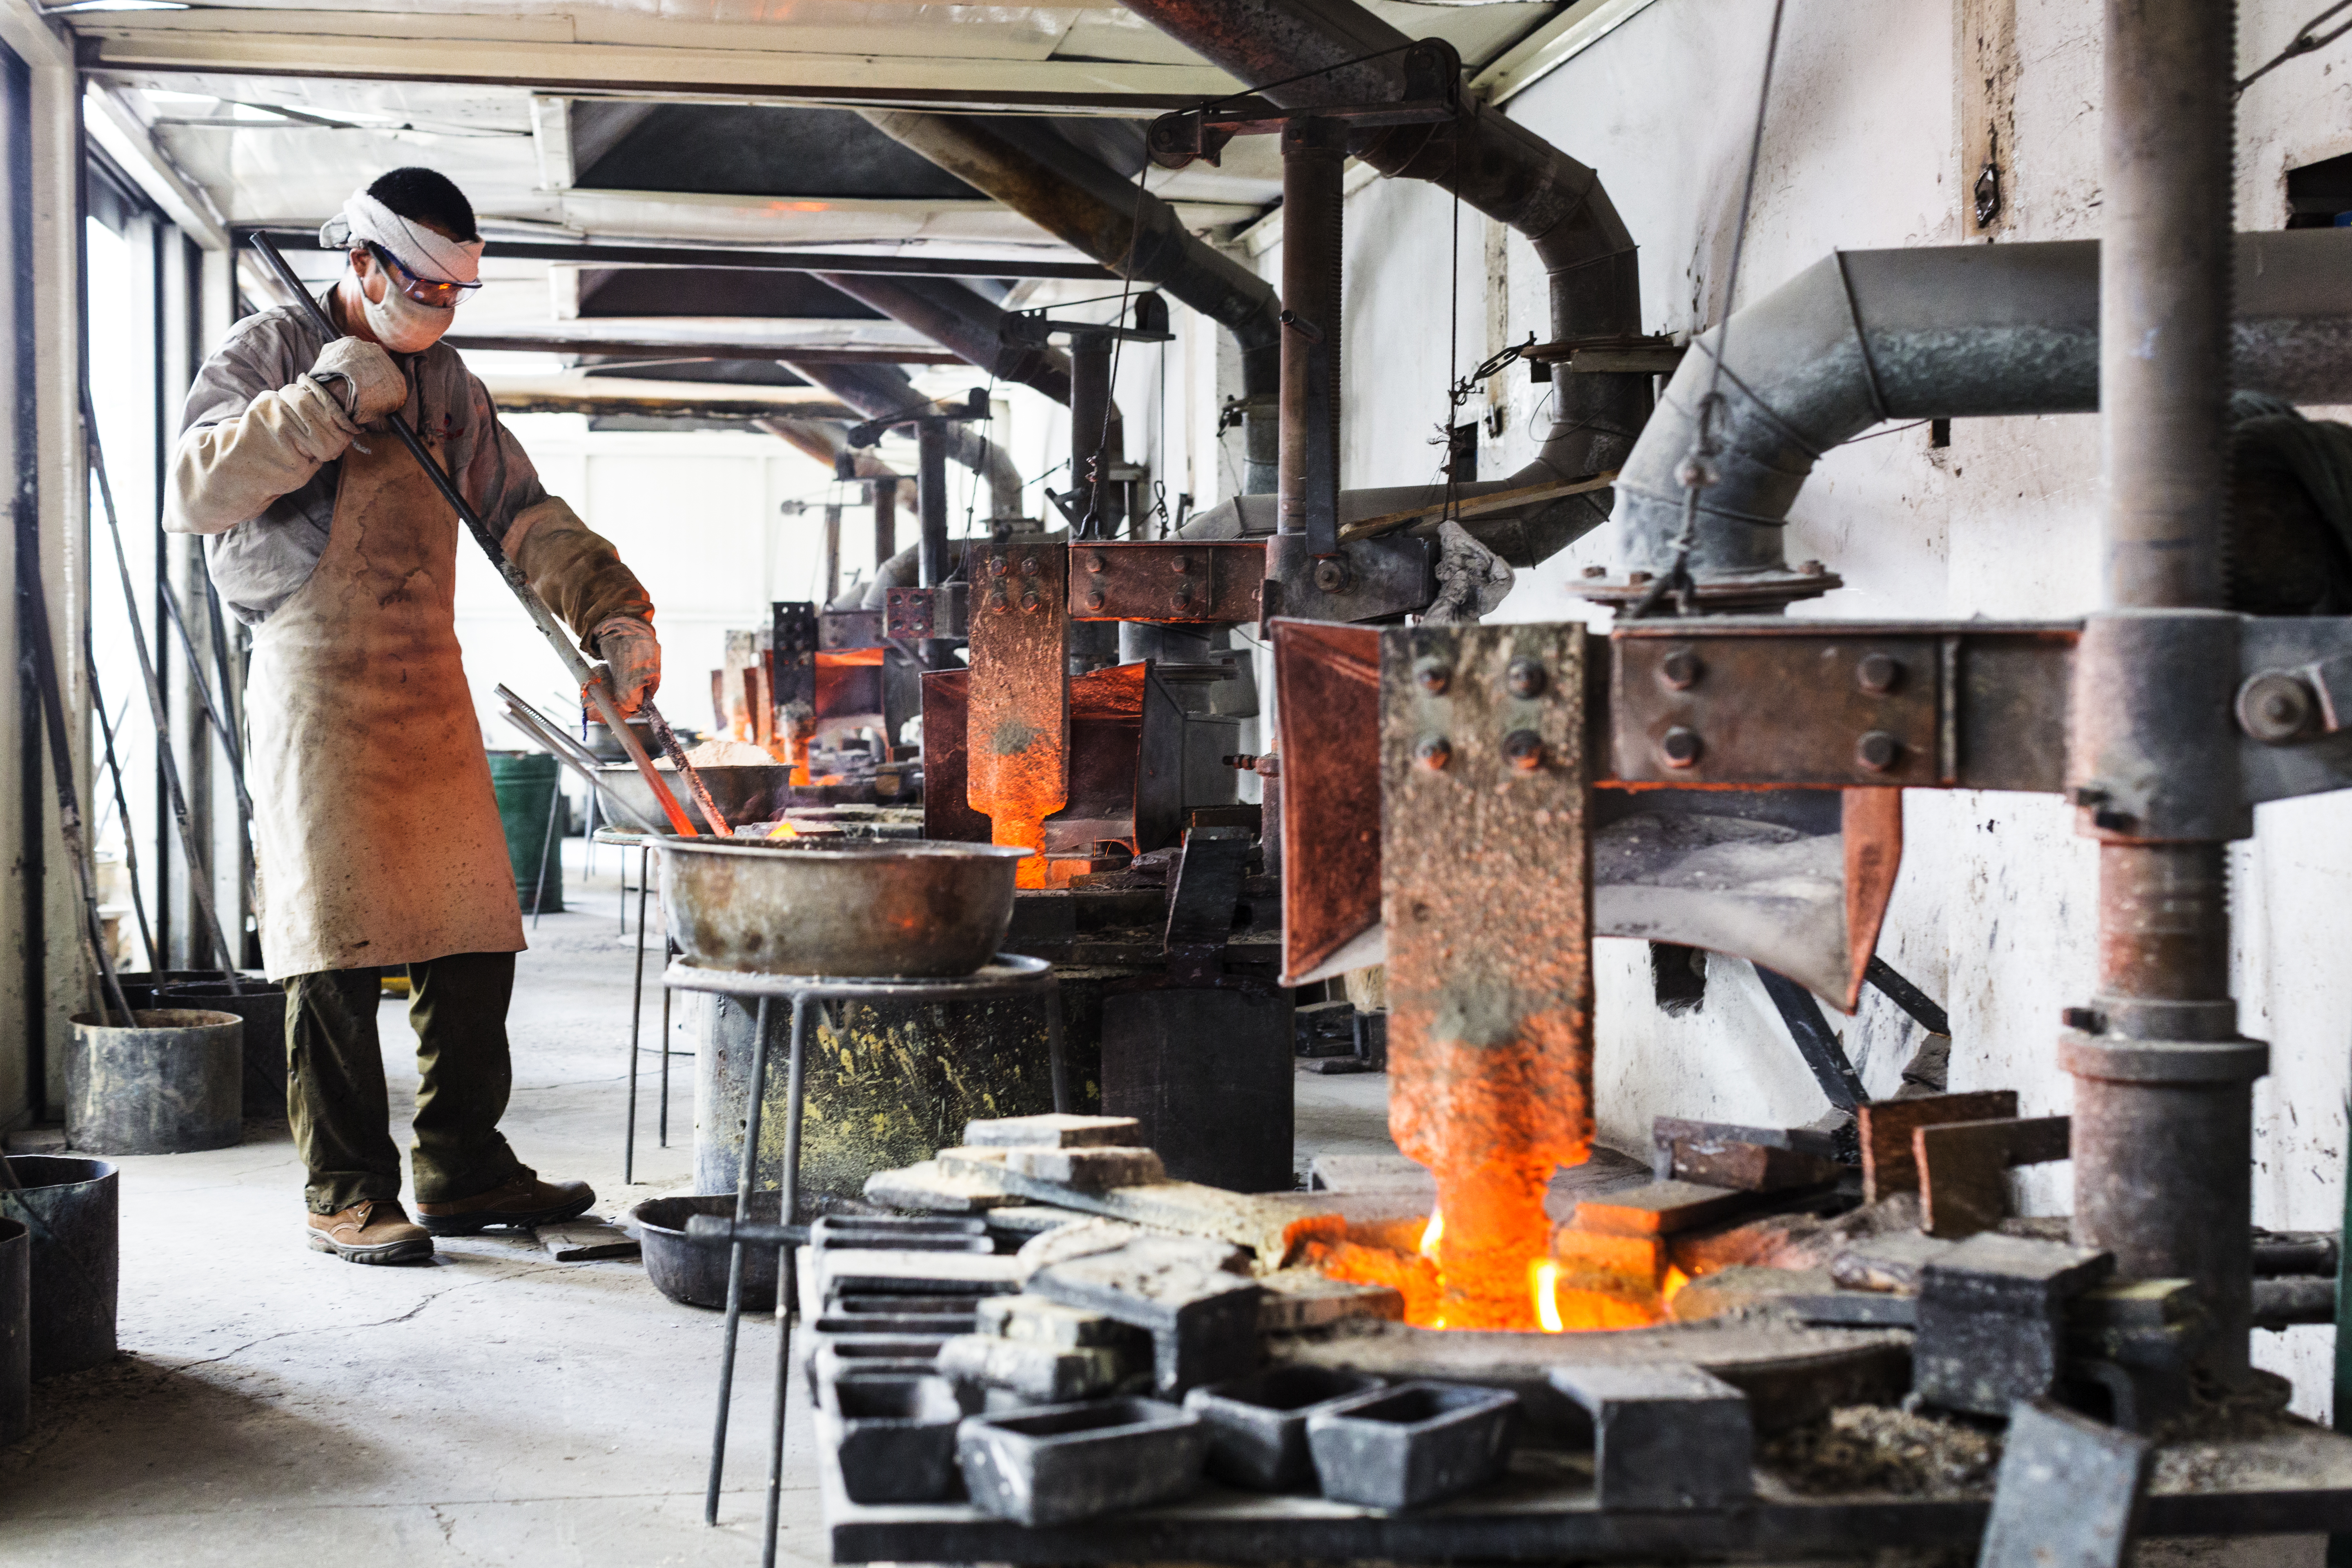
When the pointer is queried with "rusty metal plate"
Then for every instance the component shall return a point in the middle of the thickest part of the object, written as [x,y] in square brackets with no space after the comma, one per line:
[849,628]
[1176,582]
[1815,707]
[1327,706]
[1018,732]
[1486,891]
[912,613]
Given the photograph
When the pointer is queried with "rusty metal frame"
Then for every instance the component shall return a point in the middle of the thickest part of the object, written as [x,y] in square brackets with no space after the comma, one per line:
[1328,714]
[1018,726]
[1486,897]
[1179,582]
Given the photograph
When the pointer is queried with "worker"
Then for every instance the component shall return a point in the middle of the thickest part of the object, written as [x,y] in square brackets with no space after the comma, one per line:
[375,825]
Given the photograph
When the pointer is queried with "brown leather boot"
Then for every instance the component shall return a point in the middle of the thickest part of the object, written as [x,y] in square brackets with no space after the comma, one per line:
[524,1201]
[375,1231]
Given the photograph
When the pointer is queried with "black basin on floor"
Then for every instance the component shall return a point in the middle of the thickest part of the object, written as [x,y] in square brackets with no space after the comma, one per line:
[695,1274]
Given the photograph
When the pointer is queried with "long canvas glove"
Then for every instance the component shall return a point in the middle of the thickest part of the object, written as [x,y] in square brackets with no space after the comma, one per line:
[631,653]
[575,570]
[224,473]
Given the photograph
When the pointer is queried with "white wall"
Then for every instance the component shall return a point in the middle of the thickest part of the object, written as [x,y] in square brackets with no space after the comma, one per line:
[1994,909]
[697,516]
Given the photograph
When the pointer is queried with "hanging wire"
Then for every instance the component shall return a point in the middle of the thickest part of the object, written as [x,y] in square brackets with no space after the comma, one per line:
[1091,525]
[2305,41]
[1698,471]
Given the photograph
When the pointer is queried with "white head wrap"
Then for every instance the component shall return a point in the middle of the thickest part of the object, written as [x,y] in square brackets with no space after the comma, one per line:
[421,251]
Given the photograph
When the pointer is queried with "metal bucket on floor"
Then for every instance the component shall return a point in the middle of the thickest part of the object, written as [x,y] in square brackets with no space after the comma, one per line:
[262,1005]
[173,1085]
[697,1275]
[71,1206]
[16,1330]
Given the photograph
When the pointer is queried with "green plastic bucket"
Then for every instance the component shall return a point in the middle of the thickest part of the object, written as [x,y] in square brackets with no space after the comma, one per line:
[528,801]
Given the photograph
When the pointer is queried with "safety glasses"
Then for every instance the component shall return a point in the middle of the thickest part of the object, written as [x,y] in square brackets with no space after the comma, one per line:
[430,291]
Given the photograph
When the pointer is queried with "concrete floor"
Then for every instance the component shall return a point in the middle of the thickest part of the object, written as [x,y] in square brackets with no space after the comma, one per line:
[493,1407]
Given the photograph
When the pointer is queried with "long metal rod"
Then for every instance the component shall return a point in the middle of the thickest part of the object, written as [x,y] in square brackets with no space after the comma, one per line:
[574,661]
[1922,1007]
[213,715]
[166,761]
[788,1213]
[546,848]
[636,1018]
[1815,1041]
[596,254]
[1313,156]
[123,809]
[34,607]
[759,1089]
[670,953]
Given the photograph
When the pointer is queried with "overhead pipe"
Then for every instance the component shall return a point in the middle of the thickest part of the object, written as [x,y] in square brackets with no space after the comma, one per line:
[1084,204]
[1497,166]
[963,321]
[1940,333]
[878,390]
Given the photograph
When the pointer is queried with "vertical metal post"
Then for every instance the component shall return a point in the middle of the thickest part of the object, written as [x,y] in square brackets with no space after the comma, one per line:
[1314,154]
[832,554]
[932,507]
[1089,411]
[743,1180]
[886,520]
[636,1017]
[2164,1088]
[789,1214]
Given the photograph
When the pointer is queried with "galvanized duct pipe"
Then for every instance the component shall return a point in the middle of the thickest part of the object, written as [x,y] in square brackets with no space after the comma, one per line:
[878,390]
[1946,332]
[1495,164]
[1078,201]
[961,320]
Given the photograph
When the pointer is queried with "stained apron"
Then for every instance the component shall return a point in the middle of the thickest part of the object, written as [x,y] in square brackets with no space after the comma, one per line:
[374,820]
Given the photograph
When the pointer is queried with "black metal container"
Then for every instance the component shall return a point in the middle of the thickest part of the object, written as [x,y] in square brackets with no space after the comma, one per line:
[262,1005]
[16,1330]
[172,1085]
[692,1273]
[71,1205]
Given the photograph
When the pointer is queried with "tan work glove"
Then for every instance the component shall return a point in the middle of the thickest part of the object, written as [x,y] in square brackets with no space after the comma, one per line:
[632,659]
[367,382]
[222,474]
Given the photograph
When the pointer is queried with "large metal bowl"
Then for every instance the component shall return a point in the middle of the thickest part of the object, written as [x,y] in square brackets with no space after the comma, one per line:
[845,907]
[743,794]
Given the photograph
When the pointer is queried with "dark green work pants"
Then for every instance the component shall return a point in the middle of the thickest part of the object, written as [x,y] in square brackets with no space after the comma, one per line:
[335,1095]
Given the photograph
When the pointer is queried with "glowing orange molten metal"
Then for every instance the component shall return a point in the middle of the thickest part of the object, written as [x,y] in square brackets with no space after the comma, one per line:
[784,831]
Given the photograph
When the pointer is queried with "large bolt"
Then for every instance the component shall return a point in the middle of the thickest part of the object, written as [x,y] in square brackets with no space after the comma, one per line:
[1180,563]
[1094,561]
[1433,752]
[1331,575]
[1681,748]
[1525,677]
[1877,750]
[1878,673]
[1028,566]
[996,565]
[1183,595]
[1434,679]
[1094,600]
[997,602]
[2274,707]
[1030,600]
[1681,668]
[1524,750]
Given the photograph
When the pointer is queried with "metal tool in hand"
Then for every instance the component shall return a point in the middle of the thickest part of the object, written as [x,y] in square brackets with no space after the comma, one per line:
[594,685]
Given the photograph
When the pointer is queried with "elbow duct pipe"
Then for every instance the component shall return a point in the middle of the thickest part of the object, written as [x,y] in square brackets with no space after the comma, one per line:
[1942,332]
[878,390]
[1087,205]
[1496,165]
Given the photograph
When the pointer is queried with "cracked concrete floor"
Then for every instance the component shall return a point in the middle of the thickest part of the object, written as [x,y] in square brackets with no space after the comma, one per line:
[272,1404]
